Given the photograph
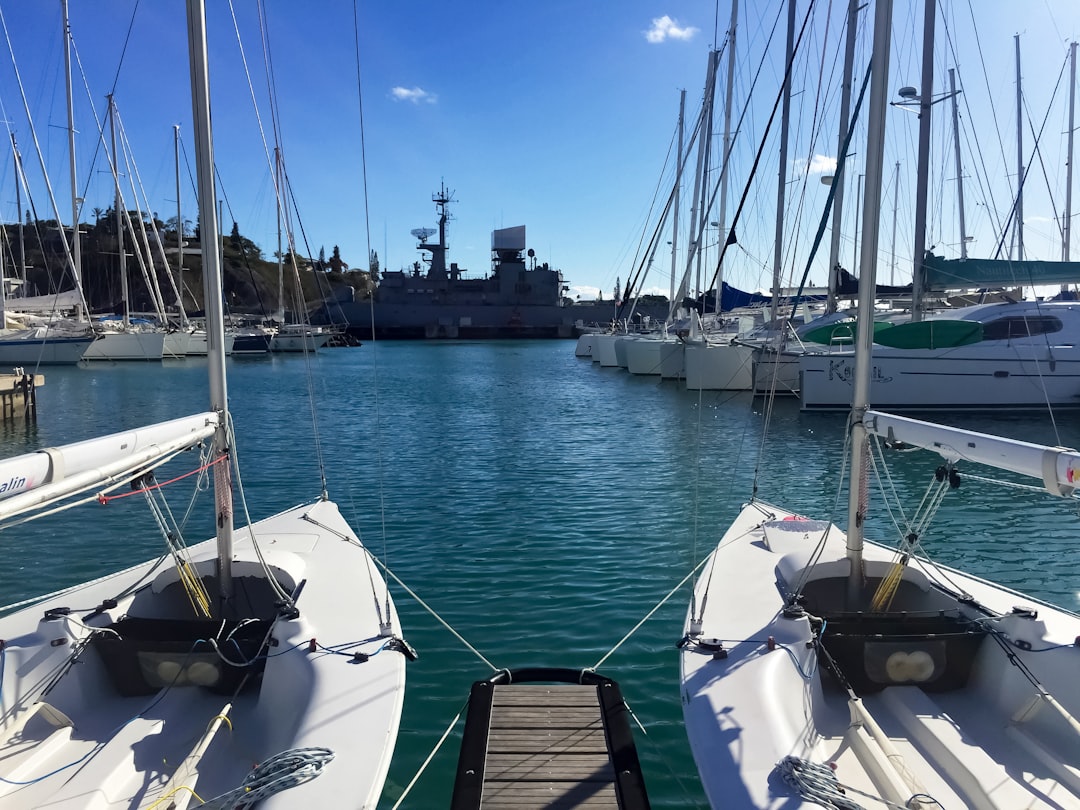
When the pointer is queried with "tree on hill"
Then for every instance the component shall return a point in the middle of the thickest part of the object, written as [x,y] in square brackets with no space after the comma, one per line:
[336,264]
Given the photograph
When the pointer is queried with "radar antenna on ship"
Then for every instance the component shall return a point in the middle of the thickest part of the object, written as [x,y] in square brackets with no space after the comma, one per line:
[423,234]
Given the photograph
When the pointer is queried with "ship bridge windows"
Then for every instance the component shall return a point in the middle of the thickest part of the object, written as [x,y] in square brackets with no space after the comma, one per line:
[1021,326]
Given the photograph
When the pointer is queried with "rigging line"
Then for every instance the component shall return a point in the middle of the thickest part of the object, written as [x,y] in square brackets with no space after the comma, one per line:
[647,616]
[123,51]
[379,461]
[279,194]
[436,616]
[819,549]
[145,256]
[654,243]
[145,199]
[632,281]
[731,238]
[430,757]
[103,499]
[1027,168]
[274,585]
[987,192]
[41,156]
[254,101]
[991,95]
[268,62]
[841,161]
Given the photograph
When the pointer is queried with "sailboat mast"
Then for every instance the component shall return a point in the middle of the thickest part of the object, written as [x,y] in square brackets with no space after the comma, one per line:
[118,209]
[18,206]
[706,153]
[923,172]
[959,165]
[875,161]
[1067,229]
[210,236]
[725,169]
[280,315]
[1019,158]
[678,185]
[76,247]
[895,206]
[179,234]
[838,193]
[781,182]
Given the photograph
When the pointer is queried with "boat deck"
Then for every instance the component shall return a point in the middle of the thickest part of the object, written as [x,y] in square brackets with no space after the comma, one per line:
[554,746]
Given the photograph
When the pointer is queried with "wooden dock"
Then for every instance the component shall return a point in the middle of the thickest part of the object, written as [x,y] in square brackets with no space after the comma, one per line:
[18,395]
[548,745]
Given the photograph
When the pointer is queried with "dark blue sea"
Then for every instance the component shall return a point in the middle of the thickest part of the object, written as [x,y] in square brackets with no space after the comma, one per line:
[540,505]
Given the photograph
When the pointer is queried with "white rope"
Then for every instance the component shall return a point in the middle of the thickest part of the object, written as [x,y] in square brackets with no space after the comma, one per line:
[279,772]
[235,458]
[648,615]
[438,618]
[426,762]
[815,782]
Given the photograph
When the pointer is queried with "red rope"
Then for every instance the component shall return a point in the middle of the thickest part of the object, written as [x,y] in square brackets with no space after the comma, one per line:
[103,499]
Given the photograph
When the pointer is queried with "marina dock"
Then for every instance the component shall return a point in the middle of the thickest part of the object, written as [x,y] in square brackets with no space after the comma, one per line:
[551,745]
[18,395]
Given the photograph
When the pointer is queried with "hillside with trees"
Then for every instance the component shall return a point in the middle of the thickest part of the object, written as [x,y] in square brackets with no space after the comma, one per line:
[250,277]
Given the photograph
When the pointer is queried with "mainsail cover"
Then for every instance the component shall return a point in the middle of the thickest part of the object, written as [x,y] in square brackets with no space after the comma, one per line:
[960,274]
[32,479]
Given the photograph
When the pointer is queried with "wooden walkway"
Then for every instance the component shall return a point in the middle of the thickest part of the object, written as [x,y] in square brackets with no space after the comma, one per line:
[552,746]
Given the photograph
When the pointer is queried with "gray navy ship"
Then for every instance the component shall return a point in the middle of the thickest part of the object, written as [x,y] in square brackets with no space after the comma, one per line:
[520,298]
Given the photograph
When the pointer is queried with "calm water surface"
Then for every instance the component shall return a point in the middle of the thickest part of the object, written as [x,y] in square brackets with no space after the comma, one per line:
[541,505]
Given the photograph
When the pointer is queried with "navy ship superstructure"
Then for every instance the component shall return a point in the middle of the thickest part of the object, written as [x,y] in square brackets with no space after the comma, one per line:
[433,299]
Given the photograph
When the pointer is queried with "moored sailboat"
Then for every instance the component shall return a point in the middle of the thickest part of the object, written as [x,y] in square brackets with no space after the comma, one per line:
[167,681]
[819,669]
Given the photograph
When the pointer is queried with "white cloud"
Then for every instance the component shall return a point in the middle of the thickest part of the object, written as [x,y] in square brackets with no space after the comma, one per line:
[414,94]
[818,164]
[664,28]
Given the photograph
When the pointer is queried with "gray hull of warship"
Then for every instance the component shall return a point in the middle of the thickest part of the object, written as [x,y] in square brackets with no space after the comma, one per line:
[520,298]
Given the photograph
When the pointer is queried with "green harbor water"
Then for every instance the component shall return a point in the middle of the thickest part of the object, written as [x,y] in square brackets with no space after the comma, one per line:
[542,506]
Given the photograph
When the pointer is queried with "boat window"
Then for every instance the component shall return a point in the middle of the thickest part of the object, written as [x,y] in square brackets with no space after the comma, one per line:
[1017,327]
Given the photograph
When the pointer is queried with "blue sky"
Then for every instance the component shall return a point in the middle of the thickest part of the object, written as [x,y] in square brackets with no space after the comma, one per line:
[556,115]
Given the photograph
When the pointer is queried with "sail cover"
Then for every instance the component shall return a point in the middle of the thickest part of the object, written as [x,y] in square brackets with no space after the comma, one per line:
[959,274]
[32,479]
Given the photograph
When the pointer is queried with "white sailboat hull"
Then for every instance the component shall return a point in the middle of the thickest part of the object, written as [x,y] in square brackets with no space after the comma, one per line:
[644,356]
[775,373]
[127,346]
[197,343]
[307,340]
[978,745]
[976,377]
[129,747]
[603,351]
[584,345]
[718,367]
[176,344]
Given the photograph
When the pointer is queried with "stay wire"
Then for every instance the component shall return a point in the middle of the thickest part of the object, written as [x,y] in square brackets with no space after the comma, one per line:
[377,402]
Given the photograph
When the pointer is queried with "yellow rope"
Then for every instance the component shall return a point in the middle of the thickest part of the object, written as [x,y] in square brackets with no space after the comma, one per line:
[172,793]
[889,585]
[223,718]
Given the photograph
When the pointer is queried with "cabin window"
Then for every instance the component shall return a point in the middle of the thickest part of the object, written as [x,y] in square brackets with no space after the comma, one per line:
[1018,327]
